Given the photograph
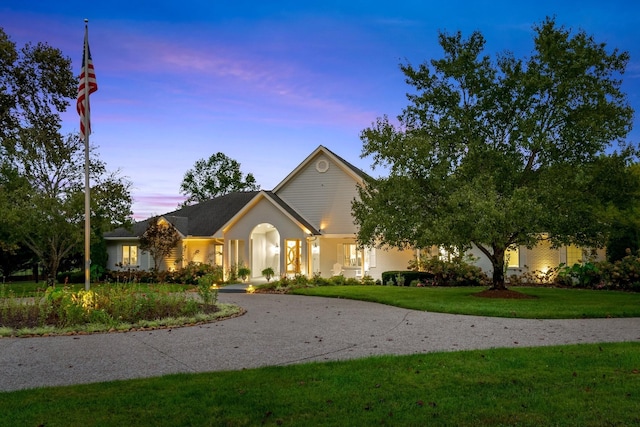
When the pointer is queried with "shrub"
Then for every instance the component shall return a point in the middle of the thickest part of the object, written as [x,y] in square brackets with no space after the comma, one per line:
[208,289]
[623,274]
[545,276]
[438,272]
[187,275]
[268,273]
[70,277]
[338,280]
[585,275]
[390,278]
[244,272]
[191,273]
[107,305]
[368,280]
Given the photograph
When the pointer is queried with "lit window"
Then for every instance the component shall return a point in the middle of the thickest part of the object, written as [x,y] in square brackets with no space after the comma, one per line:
[512,257]
[447,254]
[574,255]
[215,254]
[352,255]
[129,255]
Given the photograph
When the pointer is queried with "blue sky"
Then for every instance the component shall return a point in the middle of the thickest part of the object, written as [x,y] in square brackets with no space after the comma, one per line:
[267,82]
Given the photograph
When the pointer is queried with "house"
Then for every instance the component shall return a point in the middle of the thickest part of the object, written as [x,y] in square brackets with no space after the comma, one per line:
[302,226]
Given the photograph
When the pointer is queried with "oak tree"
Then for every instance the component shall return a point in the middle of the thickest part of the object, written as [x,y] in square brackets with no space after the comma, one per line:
[492,152]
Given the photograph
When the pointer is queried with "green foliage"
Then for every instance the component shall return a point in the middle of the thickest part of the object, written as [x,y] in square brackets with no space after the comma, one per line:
[623,274]
[207,289]
[368,280]
[36,85]
[544,302]
[392,277]
[107,305]
[159,239]
[67,277]
[299,281]
[41,189]
[493,152]
[437,272]
[268,273]
[244,272]
[193,271]
[216,176]
[187,275]
[584,275]
[232,274]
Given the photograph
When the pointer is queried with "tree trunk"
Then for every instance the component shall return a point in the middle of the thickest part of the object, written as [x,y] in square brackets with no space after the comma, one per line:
[497,261]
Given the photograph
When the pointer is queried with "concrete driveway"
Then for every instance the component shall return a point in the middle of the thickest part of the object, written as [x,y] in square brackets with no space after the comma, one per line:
[282,330]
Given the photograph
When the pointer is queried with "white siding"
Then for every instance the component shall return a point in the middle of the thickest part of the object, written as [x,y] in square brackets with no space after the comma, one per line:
[385,259]
[322,198]
[390,259]
[265,212]
[114,253]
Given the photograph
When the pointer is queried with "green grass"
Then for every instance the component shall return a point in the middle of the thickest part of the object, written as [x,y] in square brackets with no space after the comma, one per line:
[549,303]
[580,385]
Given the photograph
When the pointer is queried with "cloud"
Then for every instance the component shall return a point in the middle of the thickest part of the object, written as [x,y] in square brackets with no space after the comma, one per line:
[147,205]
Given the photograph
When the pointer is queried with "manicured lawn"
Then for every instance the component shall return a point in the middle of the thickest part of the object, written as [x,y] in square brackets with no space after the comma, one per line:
[548,303]
[584,385]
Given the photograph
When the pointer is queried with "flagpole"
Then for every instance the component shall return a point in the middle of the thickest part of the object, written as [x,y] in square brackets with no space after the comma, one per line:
[87,196]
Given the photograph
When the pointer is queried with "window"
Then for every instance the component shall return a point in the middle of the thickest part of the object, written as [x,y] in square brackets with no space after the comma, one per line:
[574,255]
[352,256]
[215,254]
[512,257]
[447,254]
[129,255]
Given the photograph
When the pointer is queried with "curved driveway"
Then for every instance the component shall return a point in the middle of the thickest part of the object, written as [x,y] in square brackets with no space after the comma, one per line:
[282,330]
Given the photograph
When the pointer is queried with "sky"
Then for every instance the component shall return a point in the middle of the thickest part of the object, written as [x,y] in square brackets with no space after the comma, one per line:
[266,83]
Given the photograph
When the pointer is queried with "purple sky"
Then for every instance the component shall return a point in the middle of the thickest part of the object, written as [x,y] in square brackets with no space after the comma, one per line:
[267,82]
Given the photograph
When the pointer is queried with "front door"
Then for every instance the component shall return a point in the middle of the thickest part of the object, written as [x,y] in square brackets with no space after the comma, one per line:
[292,256]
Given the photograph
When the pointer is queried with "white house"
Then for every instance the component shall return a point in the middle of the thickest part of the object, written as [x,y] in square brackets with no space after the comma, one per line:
[302,226]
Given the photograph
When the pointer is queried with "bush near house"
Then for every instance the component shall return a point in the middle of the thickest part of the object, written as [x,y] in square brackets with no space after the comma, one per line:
[287,283]
[188,275]
[433,271]
[623,274]
[404,278]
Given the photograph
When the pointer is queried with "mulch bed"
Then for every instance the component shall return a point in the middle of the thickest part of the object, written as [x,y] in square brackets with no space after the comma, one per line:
[503,294]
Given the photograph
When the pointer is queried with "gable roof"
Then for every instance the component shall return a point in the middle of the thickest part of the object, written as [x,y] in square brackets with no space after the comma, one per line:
[280,205]
[209,217]
[202,219]
[356,173]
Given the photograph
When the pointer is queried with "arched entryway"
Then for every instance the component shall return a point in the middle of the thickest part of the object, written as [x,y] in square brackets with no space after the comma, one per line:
[265,249]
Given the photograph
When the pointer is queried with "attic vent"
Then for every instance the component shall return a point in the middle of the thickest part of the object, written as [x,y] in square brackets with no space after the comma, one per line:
[322,166]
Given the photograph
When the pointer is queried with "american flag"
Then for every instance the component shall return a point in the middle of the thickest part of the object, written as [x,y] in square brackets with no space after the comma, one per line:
[87,78]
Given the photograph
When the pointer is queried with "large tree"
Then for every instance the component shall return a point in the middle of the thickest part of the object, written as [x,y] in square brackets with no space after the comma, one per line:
[497,153]
[42,171]
[13,255]
[216,176]
[36,85]
[51,220]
